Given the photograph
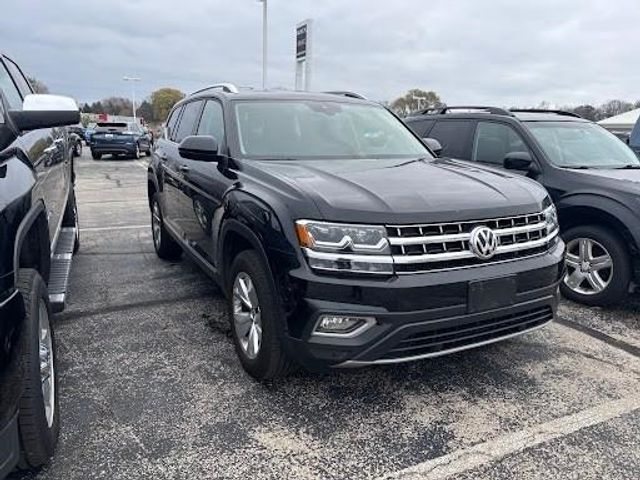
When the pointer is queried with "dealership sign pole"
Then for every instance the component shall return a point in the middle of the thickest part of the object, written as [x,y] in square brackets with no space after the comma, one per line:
[303,55]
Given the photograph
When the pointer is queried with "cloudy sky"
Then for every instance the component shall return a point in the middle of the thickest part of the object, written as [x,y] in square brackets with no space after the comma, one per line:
[501,52]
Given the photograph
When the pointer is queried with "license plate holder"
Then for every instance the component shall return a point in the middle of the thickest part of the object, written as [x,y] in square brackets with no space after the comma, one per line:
[493,293]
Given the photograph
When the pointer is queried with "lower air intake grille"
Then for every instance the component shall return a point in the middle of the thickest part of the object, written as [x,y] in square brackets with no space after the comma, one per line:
[449,338]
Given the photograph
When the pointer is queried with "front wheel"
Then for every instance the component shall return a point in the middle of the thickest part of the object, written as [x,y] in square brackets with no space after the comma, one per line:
[598,266]
[96,156]
[39,420]
[256,317]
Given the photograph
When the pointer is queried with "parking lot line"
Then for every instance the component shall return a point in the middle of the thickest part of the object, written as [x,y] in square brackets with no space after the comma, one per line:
[483,453]
[117,227]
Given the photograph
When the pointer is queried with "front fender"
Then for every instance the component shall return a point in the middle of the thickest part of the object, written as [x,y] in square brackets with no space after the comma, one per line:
[604,206]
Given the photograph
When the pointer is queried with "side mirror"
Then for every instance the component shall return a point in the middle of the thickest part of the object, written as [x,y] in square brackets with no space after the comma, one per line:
[521,161]
[199,147]
[434,145]
[45,111]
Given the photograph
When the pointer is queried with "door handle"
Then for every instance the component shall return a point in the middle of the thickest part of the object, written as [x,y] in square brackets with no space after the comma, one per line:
[184,168]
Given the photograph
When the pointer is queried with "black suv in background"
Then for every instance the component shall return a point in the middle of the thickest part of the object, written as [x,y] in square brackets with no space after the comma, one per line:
[339,239]
[38,235]
[592,177]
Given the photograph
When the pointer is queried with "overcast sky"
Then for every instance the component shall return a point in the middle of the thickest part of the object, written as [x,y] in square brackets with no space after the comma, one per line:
[503,52]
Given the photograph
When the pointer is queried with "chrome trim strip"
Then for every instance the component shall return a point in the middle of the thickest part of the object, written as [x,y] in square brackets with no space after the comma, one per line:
[457,237]
[411,225]
[385,361]
[443,257]
[9,298]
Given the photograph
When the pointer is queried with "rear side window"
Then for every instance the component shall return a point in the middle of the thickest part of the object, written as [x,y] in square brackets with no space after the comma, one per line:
[9,89]
[421,127]
[454,136]
[16,73]
[188,120]
[634,139]
[171,123]
[493,141]
[212,122]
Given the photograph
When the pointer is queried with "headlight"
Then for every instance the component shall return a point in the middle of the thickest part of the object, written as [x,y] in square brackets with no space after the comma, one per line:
[345,248]
[551,219]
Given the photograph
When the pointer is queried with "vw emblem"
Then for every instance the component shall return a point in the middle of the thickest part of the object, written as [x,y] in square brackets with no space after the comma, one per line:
[483,242]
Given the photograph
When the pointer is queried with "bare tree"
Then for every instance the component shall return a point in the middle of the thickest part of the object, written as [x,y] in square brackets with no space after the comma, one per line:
[415,100]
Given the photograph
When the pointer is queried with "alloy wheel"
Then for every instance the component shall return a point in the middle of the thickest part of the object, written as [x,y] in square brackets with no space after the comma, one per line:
[47,372]
[589,266]
[246,315]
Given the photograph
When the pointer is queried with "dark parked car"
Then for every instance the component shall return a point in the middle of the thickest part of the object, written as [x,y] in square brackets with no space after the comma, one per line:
[117,138]
[634,138]
[592,177]
[339,239]
[38,225]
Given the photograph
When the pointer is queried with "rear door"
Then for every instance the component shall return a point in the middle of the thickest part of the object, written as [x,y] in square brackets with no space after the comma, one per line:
[46,148]
[178,202]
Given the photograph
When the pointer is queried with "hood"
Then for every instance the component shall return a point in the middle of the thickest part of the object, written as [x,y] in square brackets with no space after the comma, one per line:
[400,191]
[622,177]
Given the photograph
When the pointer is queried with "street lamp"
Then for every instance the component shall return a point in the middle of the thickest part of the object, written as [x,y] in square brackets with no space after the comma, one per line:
[264,43]
[133,81]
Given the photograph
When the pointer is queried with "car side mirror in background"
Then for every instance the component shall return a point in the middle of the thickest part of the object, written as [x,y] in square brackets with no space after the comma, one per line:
[520,161]
[199,147]
[45,111]
[434,145]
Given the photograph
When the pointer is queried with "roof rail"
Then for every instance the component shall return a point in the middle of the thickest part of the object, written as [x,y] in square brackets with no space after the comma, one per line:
[443,110]
[347,94]
[545,110]
[225,87]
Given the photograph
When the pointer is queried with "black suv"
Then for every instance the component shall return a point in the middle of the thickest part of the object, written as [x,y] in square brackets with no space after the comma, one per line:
[38,234]
[592,177]
[339,239]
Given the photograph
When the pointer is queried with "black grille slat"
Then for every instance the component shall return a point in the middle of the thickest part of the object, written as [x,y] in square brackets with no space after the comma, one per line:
[424,343]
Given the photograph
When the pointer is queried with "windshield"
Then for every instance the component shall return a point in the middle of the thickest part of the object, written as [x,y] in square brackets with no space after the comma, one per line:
[576,144]
[304,129]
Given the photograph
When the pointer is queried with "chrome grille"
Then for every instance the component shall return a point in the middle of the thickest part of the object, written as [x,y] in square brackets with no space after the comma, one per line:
[417,248]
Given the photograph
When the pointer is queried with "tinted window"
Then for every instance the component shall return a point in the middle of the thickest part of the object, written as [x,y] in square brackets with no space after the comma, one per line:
[454,136]
[9,89]
[421,127]
[634,139]
[308,129]
[171,123]
[188,120]
[212,122]
[23,85]
[494,140]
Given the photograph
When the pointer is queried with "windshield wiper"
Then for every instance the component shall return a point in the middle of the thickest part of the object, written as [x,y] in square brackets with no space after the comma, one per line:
[631,166]
[577,167]
[421,159]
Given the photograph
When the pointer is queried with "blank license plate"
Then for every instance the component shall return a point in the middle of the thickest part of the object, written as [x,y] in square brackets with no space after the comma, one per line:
[494,293]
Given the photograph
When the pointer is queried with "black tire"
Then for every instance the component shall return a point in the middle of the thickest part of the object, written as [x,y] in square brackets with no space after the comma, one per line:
[96,156]
[148,153]
[271,361]
[136,153]
[77,150]
[166,247]
[37,438]
[618,287]
[70,219]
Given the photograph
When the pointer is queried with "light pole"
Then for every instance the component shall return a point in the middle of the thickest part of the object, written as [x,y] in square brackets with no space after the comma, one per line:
[133,81]
[264,43]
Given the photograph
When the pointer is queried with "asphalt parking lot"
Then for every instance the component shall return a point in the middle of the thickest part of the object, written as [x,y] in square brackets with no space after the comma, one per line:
[151,387]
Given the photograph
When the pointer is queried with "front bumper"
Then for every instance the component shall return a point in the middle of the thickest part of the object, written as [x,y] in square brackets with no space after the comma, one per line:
[421,315]
[9,446]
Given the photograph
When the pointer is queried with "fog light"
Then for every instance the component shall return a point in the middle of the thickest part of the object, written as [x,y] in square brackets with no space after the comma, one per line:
[343,325]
